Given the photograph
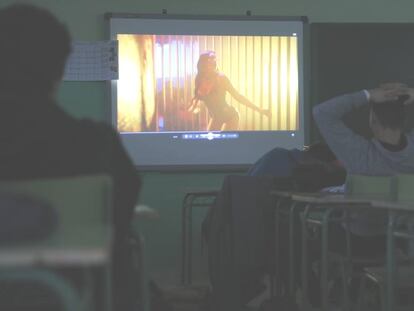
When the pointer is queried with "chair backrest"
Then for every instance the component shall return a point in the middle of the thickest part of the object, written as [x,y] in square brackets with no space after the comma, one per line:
[378,187]
[404,188]
[79,201]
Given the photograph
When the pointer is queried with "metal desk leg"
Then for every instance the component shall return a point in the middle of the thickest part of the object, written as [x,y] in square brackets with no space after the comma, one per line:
[190,244]
[390,262]
[274,266]
[184,241]
[292,255]
[276,234]
[305,258]
[187,234]
[324,260]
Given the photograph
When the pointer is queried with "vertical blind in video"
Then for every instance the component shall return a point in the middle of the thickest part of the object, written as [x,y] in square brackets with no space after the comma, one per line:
[157,77]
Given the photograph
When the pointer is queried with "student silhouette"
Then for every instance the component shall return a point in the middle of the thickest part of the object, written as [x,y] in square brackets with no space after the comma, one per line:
[38,139]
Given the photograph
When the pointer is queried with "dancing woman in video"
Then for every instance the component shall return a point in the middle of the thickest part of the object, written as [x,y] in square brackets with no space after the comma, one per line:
[211,87]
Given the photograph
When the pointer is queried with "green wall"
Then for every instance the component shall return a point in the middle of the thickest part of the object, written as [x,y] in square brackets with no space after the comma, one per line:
[164,191]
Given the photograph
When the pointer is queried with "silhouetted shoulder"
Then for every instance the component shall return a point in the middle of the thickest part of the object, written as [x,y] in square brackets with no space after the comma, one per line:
[96,128]
[98,137]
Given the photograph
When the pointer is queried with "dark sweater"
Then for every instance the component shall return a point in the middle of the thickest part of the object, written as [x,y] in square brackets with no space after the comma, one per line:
[39,140]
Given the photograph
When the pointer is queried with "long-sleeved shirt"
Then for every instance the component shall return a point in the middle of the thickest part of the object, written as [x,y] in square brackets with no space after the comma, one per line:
[360,155]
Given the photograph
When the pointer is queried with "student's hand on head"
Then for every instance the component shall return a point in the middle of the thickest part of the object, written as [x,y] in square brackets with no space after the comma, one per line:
[382,95]
[400,88]
[410,93]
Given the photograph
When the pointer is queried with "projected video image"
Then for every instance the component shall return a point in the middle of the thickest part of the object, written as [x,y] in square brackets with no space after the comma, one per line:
[176,83]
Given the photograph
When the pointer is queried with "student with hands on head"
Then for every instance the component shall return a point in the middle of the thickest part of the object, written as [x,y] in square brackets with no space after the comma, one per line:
[390,151]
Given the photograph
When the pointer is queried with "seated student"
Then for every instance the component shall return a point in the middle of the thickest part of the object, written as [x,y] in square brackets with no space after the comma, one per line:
[38,139]
[297,168]
[390,151]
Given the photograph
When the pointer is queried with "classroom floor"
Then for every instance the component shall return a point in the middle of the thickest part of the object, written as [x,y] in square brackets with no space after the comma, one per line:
[194,297]
[187,298]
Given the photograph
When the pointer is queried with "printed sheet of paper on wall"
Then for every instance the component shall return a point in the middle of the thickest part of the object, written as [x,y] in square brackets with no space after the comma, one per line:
[92,61]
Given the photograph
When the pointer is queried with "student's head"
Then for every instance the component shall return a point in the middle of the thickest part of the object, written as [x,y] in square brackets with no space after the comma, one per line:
[388,116]
[207,63]
[34,48]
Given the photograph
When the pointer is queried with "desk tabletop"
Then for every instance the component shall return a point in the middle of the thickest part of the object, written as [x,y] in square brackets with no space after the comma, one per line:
[83,246]
[323,198]
[326,197]
[281,193]
[329,198]
[289,194]
[394,205]
[200,190]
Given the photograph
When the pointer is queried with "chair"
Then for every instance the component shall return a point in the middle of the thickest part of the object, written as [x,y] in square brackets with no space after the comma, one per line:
[191,200]
[403,188]
[403,184]
[82,239]
[362,187]
[373,187]
[379,187]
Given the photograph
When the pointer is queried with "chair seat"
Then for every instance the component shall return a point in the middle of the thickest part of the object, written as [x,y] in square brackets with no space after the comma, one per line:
[360,260]
[375,260]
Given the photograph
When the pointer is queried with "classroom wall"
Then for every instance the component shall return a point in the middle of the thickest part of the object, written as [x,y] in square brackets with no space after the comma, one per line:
[164,191]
